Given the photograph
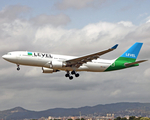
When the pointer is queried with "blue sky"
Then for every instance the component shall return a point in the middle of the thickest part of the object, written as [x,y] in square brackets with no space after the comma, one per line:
[73,27]
[135,11]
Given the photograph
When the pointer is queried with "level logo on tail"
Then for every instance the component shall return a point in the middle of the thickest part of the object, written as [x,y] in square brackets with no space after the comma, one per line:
[133,51]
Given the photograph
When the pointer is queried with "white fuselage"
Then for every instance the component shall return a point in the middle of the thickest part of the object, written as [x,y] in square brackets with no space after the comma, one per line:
[54,61]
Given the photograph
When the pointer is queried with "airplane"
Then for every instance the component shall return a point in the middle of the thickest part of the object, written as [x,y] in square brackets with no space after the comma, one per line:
[51,63]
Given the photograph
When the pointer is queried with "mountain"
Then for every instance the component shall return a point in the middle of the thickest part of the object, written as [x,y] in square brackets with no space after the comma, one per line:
[119,109]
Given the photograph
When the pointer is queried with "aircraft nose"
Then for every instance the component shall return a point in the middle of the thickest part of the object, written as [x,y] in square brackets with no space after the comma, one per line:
[9,58]
[4,57]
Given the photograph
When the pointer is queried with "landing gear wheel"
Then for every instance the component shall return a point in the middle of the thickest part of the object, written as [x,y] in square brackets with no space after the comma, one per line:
[77,74]
[73,72]
[70,77]
[18,68]
[67,75]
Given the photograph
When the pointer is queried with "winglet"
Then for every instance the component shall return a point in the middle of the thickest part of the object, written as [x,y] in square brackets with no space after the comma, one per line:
[115,46]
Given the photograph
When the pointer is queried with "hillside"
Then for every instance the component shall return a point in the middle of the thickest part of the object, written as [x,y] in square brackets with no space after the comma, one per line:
[119,109]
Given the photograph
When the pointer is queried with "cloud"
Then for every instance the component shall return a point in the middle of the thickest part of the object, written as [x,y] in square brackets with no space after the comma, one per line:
[147,72]
[12,12]
[56,20]
[132,5]
[74,4]
[126,23]
[34,72]
[65,4]
[5,95]
[142,15]
[19,31]
[95,34]
[115,93]
[148,19]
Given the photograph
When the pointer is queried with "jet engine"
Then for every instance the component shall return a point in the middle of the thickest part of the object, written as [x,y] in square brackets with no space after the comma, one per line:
[57,64]
[48,70]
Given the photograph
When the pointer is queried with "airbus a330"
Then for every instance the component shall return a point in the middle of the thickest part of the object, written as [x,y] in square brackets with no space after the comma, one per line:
[71,64]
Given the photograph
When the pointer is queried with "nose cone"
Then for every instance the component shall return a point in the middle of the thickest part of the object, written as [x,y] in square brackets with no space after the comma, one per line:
[4,57]
[10,58]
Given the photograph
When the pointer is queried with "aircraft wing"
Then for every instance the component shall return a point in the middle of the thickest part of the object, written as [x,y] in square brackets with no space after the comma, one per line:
[77,62]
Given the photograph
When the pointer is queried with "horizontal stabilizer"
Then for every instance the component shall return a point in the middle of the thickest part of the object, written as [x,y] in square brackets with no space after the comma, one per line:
[133,63]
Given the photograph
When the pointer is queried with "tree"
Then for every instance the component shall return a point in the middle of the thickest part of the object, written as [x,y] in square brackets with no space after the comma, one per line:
[131,117]
[138,118]
[69,119]
[124,118]
[81,119]
[118,118]
[145,118]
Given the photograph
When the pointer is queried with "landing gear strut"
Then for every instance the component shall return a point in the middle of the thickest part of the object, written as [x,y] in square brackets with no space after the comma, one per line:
[73,73]
[18,68]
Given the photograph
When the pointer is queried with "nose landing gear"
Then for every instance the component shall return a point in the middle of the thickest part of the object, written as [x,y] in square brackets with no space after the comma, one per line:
[18,68]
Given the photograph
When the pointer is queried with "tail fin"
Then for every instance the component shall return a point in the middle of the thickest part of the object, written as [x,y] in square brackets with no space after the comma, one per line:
[132,52]
[128,58]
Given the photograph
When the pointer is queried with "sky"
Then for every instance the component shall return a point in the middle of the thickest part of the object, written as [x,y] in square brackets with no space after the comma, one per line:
[73,27]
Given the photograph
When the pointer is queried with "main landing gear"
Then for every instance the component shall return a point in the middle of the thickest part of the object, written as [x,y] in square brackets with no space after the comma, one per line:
[18,68]
[73,73]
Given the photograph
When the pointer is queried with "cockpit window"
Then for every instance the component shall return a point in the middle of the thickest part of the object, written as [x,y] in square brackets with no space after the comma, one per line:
[8,53]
